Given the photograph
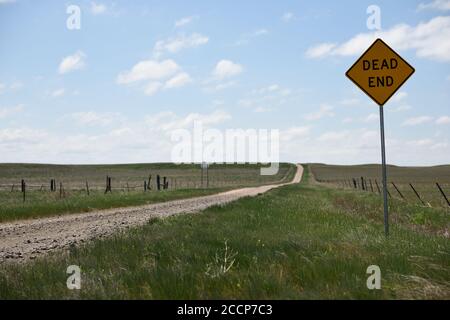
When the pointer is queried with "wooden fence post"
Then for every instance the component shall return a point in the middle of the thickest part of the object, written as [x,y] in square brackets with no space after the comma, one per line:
[401,195]
[108,185]
[24,187]
[417,194]
[87,188]
[362,184]
[443,194]
[158,182]
[378,187]
[371,185]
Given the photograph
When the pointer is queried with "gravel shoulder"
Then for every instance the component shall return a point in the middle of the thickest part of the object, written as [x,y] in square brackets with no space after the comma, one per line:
[24,240]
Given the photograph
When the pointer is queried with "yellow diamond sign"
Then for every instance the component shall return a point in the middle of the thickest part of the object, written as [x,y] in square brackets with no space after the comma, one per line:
[380,72]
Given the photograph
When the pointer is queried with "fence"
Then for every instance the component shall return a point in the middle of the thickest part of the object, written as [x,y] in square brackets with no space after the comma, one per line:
[408,193]
[159,183]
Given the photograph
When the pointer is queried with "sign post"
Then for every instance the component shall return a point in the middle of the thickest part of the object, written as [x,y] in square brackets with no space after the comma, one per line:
[380,72]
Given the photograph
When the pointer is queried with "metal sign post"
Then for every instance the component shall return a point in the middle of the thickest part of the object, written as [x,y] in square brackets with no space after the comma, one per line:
[380,72]
[384,173]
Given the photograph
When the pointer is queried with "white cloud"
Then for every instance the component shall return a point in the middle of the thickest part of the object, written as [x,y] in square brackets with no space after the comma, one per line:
[98,8]
[430,40]
[442,5]
[152,88]
[148,70]
[350,102]
[184,21]
[173,45]
[178,80]
[399,96]
[420,143]
[168,121]
[16,85]
[8,111]
[19,135]
[417,121]
[293,133]
[332,136]
[58,93]
[320,50]
[287,16]
[72,62]
[439,145]
[443,120]
[403,107]
[347,120]
[245,38]
[226,69]
[371,117]
[92,118]
[324,111]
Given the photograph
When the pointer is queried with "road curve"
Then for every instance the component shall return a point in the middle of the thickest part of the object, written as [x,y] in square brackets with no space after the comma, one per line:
[29,239]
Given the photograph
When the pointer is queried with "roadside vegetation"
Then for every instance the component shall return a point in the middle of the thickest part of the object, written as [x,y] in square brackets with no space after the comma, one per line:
[184,182]
[301,241]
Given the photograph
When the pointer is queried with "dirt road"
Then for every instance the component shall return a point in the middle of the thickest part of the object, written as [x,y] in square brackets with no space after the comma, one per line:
[24,240]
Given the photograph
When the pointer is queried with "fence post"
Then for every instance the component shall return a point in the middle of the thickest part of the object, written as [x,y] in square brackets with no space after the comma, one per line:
[362,184]
[87,188]
[378,187]
[24,186]
[60,190]
[417,194]
[158,182]
[145,186]
[443,194]
[371,185]
[108,185]
[149,186]
[401,195]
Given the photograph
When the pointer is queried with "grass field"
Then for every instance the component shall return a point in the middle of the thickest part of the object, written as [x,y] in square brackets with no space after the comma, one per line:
[423,180]
[297,242]
[74,177]
[40,203]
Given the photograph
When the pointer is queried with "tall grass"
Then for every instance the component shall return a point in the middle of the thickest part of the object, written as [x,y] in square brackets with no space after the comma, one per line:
[295,242]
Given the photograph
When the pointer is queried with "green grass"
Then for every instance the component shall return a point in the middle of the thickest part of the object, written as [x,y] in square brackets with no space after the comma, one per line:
[39,205]
[422,178]
[187,175]
[296,242]
[44,203]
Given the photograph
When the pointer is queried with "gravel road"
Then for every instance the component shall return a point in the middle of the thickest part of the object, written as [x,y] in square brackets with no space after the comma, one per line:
[29,239]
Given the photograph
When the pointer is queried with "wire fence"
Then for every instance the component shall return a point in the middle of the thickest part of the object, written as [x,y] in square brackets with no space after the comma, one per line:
[425,194]
[151,183]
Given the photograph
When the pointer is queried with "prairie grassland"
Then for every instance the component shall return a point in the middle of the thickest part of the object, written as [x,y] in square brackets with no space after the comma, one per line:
[301,241]
[40,203]
[423,180]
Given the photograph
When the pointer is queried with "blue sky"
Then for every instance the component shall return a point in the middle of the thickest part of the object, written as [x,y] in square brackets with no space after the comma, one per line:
[113,90]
